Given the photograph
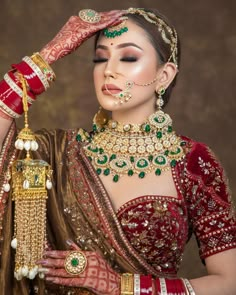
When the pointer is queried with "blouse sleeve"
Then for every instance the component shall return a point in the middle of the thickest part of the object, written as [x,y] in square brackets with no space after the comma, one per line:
[211,211]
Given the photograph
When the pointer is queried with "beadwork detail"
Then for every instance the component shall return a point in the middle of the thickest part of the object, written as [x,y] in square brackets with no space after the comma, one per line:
[134,148]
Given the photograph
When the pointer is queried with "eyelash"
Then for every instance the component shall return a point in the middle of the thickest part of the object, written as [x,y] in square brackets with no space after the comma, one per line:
[125,59]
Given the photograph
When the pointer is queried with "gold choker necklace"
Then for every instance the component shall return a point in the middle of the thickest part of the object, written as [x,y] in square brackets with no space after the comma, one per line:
[128,149]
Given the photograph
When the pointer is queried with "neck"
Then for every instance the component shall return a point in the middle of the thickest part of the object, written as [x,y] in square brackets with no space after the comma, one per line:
[133,116]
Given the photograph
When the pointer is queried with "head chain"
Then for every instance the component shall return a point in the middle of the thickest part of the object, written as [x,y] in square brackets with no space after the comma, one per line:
[162,26]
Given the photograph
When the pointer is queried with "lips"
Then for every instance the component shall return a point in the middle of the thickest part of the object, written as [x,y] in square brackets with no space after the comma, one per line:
[110,87]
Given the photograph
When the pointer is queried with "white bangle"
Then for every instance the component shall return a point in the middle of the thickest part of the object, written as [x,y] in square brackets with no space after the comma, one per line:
[37,70]
[16,88]
[136,284]
[163,286]
[189,287]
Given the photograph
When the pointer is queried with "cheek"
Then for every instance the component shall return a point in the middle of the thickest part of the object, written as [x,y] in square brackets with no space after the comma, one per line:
[143,71]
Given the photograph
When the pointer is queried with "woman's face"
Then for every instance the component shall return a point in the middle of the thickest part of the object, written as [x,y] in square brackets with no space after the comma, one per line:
[129,57]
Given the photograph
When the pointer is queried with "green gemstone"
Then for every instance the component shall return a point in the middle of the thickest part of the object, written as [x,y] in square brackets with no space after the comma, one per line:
[158,171]
[142,163]
[183,143]
[106,171]
[95,150]
[170,129]
[160,160]
[173,163]
[141,175]
[176,152]
[121,164]
[74,262]
[90,158]
[102,160]
[95,129]
[101,151]
[130,172]
[99,171]
[113,156]
[150,158]
[116,178]
[159,134]
[147,128]
[78,137]
[132,159]
[166,152]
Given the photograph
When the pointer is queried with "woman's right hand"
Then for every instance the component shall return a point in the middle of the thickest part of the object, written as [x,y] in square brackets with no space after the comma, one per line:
[75,32]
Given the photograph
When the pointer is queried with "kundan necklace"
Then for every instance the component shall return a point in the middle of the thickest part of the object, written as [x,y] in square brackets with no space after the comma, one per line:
[128,149]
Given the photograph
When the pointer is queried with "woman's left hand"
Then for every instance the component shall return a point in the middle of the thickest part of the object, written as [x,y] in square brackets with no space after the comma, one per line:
[98,276]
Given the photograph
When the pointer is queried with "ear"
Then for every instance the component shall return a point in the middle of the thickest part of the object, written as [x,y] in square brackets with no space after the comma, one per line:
[166,75]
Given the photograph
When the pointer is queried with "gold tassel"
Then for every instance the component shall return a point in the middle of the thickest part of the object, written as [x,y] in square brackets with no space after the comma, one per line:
[30,181]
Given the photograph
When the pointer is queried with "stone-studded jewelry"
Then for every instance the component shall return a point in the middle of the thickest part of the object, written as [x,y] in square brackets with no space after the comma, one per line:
[117,30]
[75,263]
[89,16]
[131,149]
[168,34]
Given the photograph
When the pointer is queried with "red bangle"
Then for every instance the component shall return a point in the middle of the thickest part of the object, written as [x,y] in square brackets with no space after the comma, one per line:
[35,83]
[170,286]
[31,97]
[10,102]
[145,285]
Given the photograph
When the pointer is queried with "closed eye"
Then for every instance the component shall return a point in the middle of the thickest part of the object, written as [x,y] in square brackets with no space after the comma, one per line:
[98,60]
[129,59]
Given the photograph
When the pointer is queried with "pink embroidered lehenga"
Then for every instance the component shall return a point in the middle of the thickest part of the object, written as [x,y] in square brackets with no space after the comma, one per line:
[147,235]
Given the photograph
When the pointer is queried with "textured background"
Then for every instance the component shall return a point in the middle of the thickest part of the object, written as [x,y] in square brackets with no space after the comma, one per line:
[203,103]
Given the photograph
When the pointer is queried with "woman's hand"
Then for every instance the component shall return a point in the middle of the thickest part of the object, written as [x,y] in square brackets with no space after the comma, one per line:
[75,32]
[98,276]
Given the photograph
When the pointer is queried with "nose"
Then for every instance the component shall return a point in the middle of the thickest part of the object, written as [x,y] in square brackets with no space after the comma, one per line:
[110,71]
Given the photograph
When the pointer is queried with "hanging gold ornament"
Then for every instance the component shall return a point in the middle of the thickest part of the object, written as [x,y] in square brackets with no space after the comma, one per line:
[30,180]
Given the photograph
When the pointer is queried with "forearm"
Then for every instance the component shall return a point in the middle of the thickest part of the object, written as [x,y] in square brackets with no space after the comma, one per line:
[214,285]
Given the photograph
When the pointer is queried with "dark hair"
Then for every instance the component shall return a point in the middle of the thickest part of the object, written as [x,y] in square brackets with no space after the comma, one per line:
[162,48]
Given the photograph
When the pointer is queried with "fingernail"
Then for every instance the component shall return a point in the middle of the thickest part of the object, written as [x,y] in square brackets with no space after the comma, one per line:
[69,242]
[43,269]
[43,262]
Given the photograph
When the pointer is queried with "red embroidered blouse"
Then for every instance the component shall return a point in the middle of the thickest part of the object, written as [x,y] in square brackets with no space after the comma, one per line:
[158,227]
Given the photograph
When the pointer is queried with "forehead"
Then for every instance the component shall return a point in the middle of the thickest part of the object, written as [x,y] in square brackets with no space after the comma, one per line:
[135,34]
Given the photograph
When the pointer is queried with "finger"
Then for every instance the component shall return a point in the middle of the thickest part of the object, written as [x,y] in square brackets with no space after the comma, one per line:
[70,282]
[55,254]
[72,245]
[54,263]
[57,272]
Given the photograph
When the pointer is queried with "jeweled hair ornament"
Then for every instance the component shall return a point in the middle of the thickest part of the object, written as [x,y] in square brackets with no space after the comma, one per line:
[168,34]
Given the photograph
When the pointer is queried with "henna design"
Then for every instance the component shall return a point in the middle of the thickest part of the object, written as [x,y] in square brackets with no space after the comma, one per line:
[74,33]
[98,276]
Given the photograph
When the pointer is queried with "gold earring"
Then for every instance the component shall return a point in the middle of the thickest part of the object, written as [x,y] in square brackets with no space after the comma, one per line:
[100,119]
[160,100]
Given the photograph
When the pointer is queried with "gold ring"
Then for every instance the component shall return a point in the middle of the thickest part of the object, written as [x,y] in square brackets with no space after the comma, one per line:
[75,263]
[89,16]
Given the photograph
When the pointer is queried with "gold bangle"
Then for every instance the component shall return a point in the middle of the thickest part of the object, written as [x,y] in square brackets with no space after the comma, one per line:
[44,66]
[127,284]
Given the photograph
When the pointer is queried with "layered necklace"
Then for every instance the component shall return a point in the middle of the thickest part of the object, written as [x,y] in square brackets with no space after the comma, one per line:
[133,149]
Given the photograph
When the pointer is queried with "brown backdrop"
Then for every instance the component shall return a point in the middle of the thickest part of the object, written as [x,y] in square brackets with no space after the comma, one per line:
[203,104]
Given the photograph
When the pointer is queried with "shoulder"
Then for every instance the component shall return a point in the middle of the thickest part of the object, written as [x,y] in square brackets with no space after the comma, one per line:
[203,165]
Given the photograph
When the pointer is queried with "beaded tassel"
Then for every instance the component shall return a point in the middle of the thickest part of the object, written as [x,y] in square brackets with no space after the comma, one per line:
[30,181]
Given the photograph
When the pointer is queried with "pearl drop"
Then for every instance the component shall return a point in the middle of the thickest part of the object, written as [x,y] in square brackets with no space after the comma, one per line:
[41,275]
[14,243]
[25,271]
[34,145]
[19,144]
[48,184]
[27,145]
[26,184]
[18,275]
[32,274]
[6,187]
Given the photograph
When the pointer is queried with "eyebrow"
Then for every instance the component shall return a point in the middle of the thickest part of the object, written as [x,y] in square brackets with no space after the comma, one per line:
[122,45]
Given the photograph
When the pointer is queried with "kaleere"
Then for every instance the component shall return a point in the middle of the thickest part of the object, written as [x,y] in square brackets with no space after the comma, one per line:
[30,180]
